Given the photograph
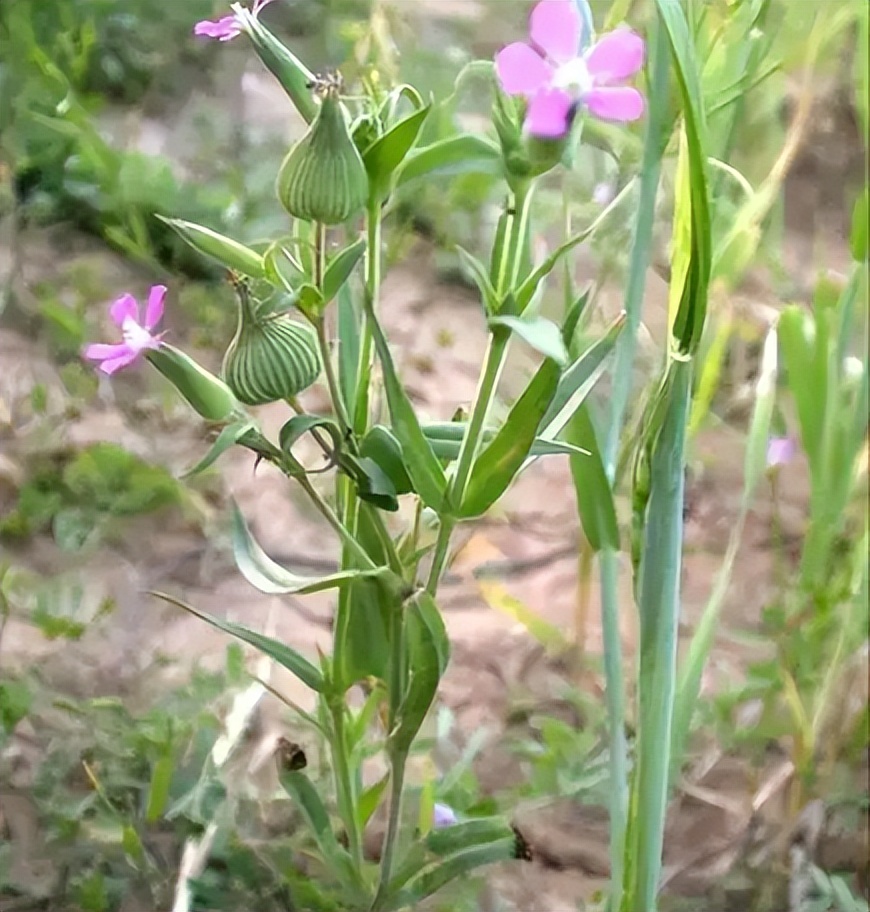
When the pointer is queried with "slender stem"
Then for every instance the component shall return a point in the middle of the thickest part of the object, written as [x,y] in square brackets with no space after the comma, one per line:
[345,791]
[439,559]
[397,784]
[343,533]
[615,698]
[372,292]
[331,379]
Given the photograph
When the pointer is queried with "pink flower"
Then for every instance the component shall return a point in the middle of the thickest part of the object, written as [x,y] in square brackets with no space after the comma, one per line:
[137,335]
[227,27]
[555,77]
[780,451]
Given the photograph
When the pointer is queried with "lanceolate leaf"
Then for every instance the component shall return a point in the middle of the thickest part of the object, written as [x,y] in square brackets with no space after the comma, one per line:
[281,653]
[428,651]
[387,152]
[264,574]
[340,268]
[423,466]
[498,463]
[543,335]
[466,153]
[591,487]
[229,436]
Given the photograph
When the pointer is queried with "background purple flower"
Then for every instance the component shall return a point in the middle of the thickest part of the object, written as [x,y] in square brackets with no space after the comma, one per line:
[780,451]
[555,75]
[443,816]
[227,27]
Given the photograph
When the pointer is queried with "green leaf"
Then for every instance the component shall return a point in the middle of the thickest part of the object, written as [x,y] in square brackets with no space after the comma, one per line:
[299,787]
[541,334]
[158,790]
[227,438]
[281,268]
[340,268]
[692,259]
[387,152]
[428,651]
[431,879]
[578,381]
[466,153]
[591,486]
[858,236]
[372,483]
[480,275]
[446,441]
[299,425]
[499,462]
[286,657]
[526,292]
[805,375]
[264,574]
[348,347]
[370,799]
[423,466]
[224,250]
[381,446]
[361,643]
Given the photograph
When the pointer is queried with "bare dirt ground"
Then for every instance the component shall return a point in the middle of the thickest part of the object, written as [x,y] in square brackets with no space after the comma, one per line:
[529,545]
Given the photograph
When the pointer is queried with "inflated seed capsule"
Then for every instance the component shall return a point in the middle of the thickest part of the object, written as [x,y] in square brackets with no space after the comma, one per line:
[272,356]
[323,178]
[207,394]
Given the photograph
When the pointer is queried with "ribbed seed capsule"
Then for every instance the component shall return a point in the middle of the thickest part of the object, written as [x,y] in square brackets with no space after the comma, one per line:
[323,178]
[272,356]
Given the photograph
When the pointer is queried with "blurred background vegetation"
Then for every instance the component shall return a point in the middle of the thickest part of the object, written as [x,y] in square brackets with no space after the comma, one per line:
[112,113]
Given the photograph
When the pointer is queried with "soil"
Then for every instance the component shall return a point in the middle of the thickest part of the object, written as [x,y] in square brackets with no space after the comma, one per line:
[725,810]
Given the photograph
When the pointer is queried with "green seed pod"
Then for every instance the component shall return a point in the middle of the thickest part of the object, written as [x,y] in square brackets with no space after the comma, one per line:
[323,178]
[207,394]
[272,356]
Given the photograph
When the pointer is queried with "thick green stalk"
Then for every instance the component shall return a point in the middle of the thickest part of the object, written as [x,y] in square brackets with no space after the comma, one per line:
[658,603]
[654,145]
[615,699]
[623,371]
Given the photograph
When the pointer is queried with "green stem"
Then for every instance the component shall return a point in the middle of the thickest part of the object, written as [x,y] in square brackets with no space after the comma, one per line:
[509,262]
[397,784]
[615,697]
[344,789]
[329,372]
[342,531]
[372,292]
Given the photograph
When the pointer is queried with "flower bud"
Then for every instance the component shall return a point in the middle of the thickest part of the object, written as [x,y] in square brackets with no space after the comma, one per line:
[207,394]
[323,178]
[272,356]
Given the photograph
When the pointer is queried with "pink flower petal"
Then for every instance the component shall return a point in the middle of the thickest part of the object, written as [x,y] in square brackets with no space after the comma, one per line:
[617,103]
[154,308]
[615,56]
[123,360]
[125,308]
[521,70]
[555,27]
[549,114]
[223,29]
[101,352]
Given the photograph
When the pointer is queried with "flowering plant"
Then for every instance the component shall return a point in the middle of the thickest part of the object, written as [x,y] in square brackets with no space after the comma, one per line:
[299,321]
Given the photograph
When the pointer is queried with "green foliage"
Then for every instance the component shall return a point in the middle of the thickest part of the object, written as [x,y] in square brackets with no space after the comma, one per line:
[77,495]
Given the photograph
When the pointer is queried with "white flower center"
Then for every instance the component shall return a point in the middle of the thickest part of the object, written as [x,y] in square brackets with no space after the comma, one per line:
[136,337]
[573,77]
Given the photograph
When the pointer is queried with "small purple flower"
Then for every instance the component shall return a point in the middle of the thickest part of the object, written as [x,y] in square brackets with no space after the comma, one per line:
[443,816]
[780,451]
[554,75]
[137,335]
[227,27]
